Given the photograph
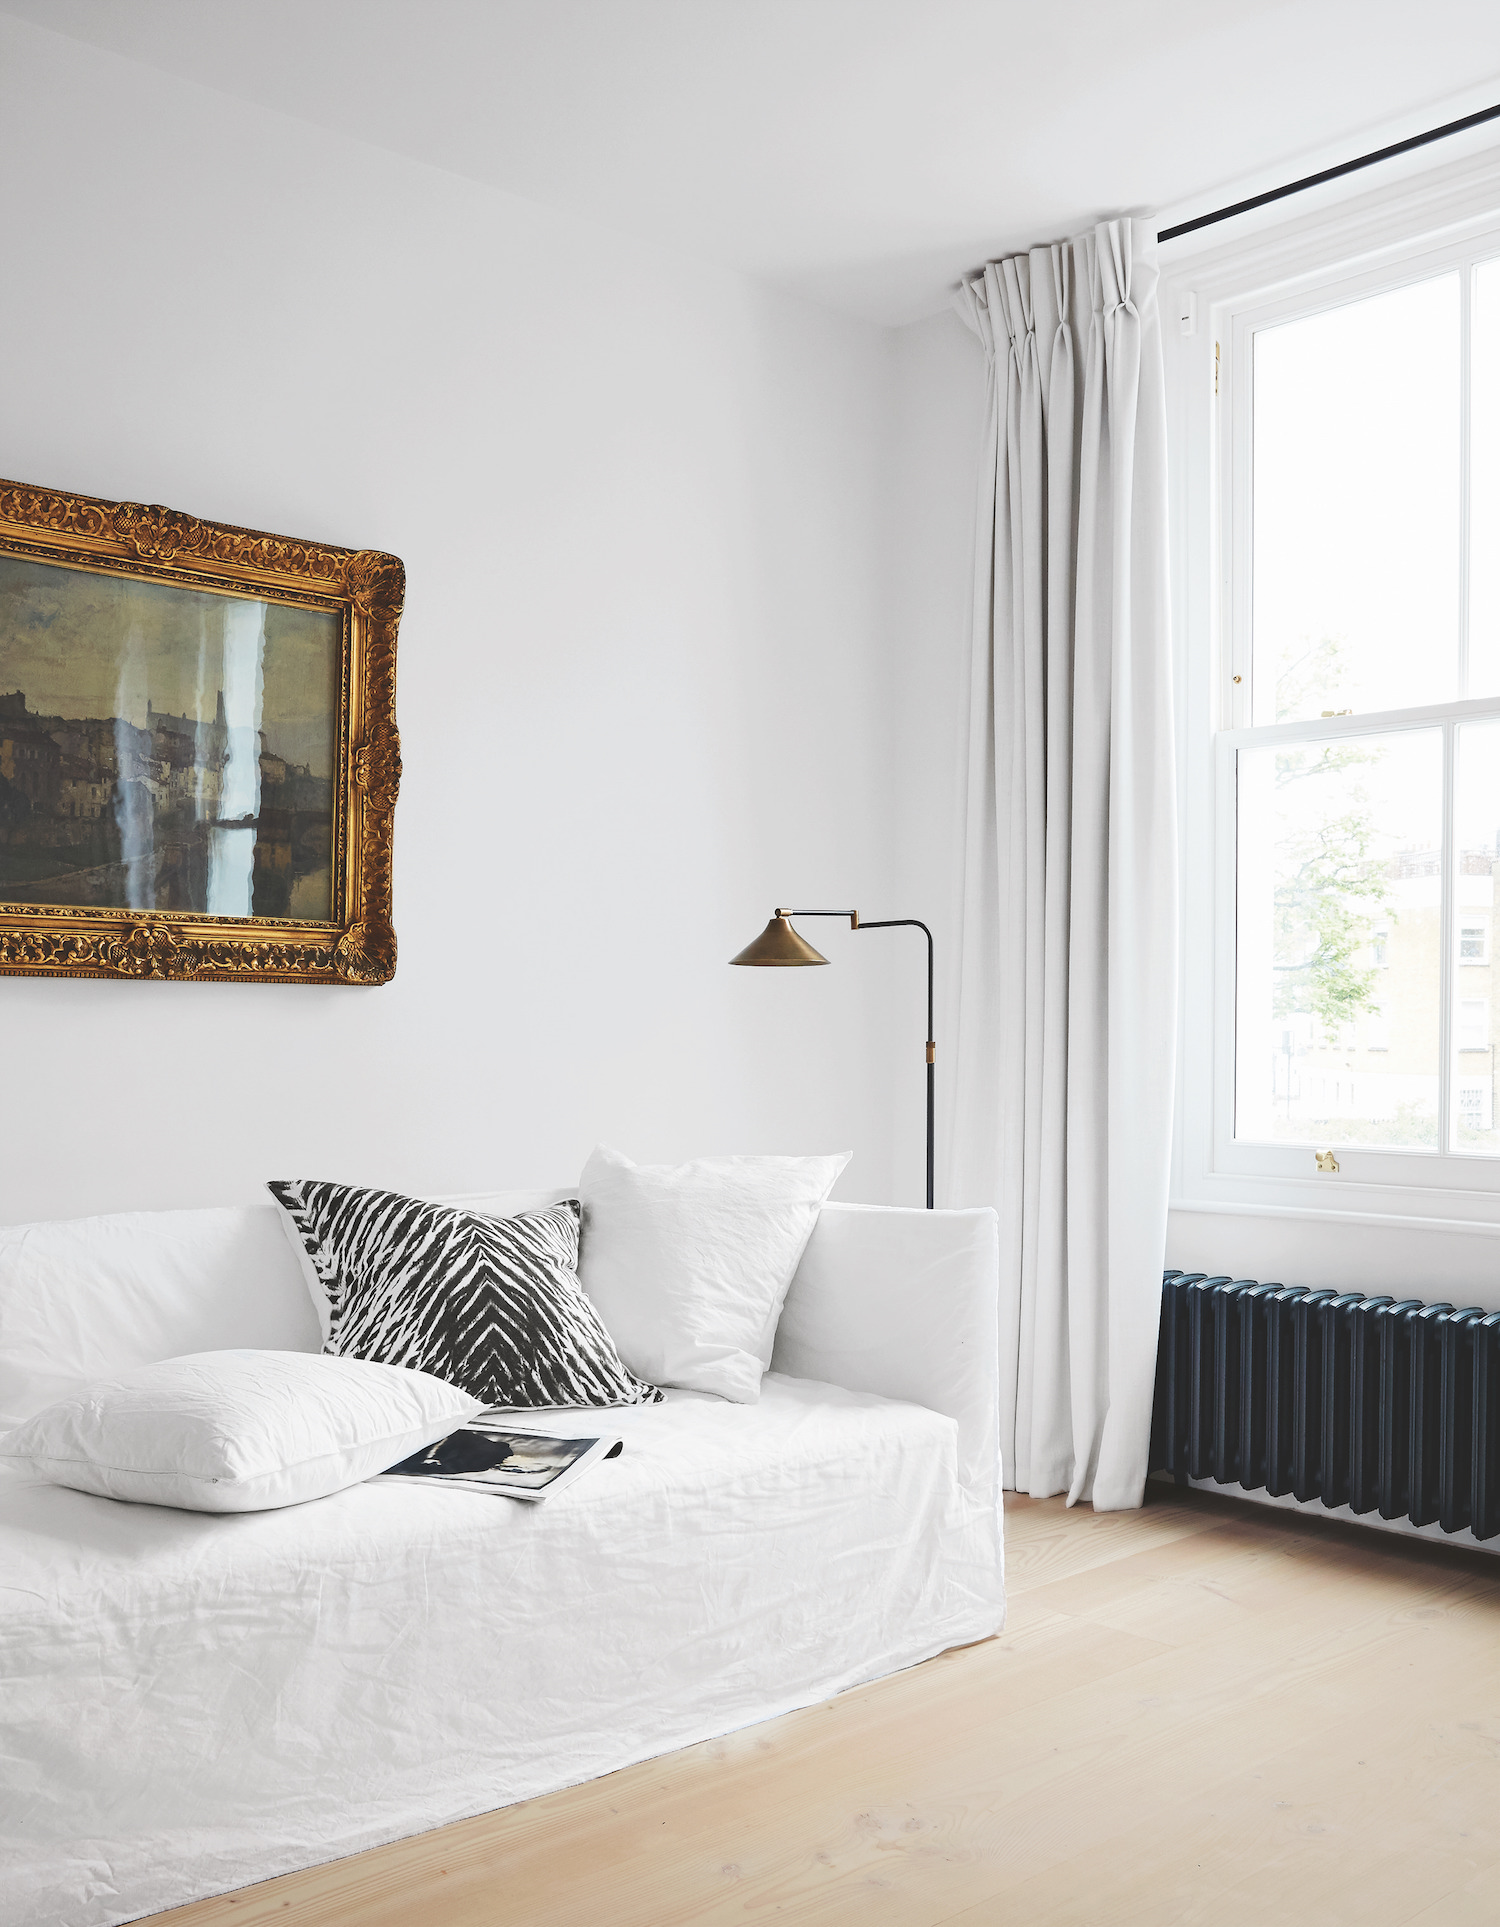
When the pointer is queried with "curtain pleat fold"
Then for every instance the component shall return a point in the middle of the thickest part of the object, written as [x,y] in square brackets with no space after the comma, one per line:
[1062,1095]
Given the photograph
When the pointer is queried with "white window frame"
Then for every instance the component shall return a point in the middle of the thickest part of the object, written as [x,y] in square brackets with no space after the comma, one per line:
[1214,295]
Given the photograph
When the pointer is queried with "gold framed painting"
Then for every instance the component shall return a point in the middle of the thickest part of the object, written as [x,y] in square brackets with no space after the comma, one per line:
[198,749]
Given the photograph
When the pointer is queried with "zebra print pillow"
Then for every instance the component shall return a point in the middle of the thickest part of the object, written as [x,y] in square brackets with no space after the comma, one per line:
[492,1305]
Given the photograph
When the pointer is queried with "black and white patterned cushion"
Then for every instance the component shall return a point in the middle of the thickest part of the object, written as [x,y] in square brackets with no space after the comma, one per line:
[492,1305]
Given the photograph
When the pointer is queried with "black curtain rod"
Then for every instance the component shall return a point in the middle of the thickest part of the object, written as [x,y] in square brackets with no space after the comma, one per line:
[1331,173]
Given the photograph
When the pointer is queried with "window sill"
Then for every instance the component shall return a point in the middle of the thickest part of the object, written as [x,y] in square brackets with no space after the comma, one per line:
[1387,1220]
[1459,1192]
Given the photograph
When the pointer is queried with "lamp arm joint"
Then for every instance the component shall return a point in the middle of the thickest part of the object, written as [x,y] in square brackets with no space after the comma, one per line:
[852,915]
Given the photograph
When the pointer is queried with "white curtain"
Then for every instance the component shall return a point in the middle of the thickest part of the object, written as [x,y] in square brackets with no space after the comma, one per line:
[1063,1085]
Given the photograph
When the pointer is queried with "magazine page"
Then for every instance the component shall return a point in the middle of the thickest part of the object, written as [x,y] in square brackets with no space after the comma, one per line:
[484,1457]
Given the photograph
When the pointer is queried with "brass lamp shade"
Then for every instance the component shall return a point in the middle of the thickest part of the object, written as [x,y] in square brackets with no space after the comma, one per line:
[778,944]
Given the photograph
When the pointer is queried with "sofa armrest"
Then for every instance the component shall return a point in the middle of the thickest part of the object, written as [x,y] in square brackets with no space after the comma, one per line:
[906,1304]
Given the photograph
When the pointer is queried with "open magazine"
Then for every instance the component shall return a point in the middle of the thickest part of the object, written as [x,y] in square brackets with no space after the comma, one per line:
[487,1457]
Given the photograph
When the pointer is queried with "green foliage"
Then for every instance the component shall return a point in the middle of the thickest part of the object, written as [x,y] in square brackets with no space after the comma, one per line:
[1329,879]
[1311,679]
[1327,886]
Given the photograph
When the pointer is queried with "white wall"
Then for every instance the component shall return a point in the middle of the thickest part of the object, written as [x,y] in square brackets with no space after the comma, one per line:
[643,672]
[1460,1263]
[939,421]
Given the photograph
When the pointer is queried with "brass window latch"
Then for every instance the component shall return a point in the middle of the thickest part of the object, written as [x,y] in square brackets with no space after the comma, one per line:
[1326,1162]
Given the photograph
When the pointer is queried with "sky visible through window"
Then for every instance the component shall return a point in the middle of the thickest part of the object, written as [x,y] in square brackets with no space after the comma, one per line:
[1356,530]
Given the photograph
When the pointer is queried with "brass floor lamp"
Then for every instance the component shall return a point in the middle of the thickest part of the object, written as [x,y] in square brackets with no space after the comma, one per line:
[779,945]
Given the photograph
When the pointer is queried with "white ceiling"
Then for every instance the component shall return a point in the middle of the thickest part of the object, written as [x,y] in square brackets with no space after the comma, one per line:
[863,152]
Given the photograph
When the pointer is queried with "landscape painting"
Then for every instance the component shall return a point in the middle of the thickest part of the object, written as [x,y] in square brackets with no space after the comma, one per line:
[165,747]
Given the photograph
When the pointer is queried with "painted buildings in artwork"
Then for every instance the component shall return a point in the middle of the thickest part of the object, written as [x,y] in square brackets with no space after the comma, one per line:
[101,810]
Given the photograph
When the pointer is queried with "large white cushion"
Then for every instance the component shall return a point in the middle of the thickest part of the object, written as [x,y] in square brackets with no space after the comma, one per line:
[86,1297]
[83,1297]
[236,1431]
[689,1264]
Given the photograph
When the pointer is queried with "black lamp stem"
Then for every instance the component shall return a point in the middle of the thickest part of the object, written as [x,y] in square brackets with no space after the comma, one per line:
[899,923]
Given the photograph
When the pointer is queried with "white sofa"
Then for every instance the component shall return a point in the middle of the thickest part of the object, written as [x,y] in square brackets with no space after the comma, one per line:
[192,1702]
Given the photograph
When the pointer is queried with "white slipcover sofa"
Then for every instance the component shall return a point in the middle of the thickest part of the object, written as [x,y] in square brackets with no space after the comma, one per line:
[191,1702]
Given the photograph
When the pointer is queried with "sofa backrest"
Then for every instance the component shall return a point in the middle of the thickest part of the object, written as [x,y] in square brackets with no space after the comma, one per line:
[81,1297]
[900,1302]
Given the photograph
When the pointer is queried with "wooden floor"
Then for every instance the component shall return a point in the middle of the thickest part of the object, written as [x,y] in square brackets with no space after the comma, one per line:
[1202,1712]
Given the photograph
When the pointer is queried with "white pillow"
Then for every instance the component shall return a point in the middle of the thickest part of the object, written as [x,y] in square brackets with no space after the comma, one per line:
[689,1264]
[83,1298]
[236,1431]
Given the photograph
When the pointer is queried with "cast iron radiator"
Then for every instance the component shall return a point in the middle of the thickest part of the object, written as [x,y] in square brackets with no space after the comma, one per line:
[1383,1405]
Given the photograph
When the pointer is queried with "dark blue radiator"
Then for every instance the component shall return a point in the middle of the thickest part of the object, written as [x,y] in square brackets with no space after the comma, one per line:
[1375,1403]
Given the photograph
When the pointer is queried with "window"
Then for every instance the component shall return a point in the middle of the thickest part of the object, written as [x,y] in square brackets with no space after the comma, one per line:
[1336,481]
[1361,574]
[1329,830]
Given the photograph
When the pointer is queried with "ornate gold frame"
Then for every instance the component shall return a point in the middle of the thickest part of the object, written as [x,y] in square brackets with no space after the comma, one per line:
[367,587]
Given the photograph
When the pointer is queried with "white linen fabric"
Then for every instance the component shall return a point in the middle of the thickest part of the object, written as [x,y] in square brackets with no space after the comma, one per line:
[689,1264]
[82,1297]
[334,1676]
[236,1431]
[1062,1108]
[904,1303]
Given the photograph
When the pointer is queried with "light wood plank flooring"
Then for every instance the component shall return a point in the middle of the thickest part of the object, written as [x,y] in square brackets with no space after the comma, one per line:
[1202,1712]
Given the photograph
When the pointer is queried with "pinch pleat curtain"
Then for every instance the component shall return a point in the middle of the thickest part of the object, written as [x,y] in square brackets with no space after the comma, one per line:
[1062,1107]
